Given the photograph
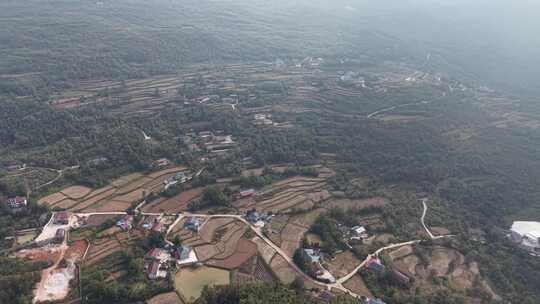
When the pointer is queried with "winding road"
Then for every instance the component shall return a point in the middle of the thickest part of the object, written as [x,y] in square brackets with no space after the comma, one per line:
[424,200]
[396,107]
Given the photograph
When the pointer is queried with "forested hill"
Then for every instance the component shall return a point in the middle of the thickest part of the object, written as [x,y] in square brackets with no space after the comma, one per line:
[65,41]
[49,45]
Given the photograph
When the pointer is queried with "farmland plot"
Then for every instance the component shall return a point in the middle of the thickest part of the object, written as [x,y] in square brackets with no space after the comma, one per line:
[297,193]
[175,204]
[282,269]
[291,238]
[76,192]
[52,199]
[120,195]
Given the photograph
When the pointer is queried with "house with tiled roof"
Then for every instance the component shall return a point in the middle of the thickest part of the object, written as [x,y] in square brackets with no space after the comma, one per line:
[16,203]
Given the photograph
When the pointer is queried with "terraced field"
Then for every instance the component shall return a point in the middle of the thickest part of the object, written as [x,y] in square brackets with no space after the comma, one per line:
[119,195]
[105,251]
[297,193]
[217,239]
[176,203]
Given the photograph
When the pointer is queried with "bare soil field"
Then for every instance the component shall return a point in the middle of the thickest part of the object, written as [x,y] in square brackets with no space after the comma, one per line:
[109,206]
[218,240]
[126,179]
[118,196]
[76,192]
[210,230]
[76,250]
[175,204]
[50,255]
[266,252]
[65,204]
[229,241]
[134,185]
[283,270]
[133,196]
[93,200]
[291,238]
[52,199]
[206,252]
[244,250]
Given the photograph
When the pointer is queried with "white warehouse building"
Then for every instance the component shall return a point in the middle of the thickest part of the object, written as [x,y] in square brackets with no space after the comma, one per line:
[527,235]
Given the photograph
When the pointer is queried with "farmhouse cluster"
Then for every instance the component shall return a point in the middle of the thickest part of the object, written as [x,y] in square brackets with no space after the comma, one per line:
[218,213]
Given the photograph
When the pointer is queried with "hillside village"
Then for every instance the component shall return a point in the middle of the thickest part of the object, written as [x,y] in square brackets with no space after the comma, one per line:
[259,241]
[175,229]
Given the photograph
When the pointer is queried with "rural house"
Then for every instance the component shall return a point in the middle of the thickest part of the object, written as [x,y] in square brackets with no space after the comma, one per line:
[61,218]
[247,193]
[181,252]
[375,264]
[149,222]
[358,233]
[313,258]
[16,167]
[181,177]
[160,163]
[253,216]
[126,223]
[156,270]
[184,255]
[158,254]
[192,224]
[17,203]
[59,236]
